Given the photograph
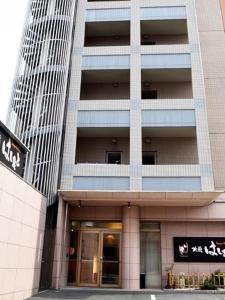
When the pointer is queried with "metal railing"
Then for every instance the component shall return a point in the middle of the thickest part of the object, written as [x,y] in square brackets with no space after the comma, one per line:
[194,280]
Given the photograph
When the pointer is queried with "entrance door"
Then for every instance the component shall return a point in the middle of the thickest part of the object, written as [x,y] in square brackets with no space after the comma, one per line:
[89,259]
[99,264]
[110,259]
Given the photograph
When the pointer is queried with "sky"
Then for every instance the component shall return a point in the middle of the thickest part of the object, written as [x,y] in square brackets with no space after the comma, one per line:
[12,17]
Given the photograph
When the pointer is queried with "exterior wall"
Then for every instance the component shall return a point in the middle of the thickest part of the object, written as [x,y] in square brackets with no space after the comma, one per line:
[169,230]
[134,57]
[175,221]
[107,41]
[172,90]
[22,222]
[212,40]
[222,4]
[165,90]
[104,91]
[173,150]
[168,39]
[169,150]
[99,146]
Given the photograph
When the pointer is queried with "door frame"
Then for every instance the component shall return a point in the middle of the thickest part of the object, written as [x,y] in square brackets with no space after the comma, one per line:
[79,258]
[100,232]
[101,262]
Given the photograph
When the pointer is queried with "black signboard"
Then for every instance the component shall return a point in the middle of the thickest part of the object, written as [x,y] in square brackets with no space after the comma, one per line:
[199,249]
[12,151]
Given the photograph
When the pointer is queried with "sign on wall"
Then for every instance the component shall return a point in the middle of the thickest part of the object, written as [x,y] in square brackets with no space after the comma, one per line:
[199,249]
[12,151]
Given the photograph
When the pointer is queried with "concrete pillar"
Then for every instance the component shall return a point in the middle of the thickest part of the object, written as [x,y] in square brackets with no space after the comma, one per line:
[131,248]
[60,262]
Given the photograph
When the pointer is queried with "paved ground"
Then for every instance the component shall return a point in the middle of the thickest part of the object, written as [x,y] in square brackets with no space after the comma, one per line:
[125,295]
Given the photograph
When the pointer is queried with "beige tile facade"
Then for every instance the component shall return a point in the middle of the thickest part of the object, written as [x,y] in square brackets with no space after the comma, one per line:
[212,41]
[187,156]
[177,95]
[22,221]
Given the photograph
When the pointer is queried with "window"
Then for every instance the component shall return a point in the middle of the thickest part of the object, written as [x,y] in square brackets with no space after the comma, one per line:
[148,158]
[149,94]
[113,157]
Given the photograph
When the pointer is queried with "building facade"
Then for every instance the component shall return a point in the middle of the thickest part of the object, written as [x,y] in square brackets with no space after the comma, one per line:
[22,219]
[142,160]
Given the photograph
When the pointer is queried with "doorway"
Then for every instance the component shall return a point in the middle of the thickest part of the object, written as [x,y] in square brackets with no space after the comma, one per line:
[96,263]
[151,254]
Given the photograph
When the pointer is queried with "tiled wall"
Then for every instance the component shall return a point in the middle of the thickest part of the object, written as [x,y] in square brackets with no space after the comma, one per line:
[187,229]
[104,91]
[22,222]
[212,40]
[86,57]
[168,150]
[93,150]
[172,90]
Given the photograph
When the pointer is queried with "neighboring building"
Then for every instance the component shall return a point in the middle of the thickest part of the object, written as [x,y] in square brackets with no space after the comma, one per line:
[141,160]
[22,222]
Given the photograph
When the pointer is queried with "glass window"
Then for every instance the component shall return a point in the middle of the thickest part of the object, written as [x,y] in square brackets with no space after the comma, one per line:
[114,157]
[151,254]
[148,157]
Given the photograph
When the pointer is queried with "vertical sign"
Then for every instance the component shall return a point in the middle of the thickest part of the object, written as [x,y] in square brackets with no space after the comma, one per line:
[12,151]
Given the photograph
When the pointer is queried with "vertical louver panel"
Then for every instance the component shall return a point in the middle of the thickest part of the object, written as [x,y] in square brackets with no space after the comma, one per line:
[38,100]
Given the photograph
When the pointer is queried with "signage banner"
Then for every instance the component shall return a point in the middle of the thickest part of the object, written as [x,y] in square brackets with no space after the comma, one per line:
[12,152]
[199,249]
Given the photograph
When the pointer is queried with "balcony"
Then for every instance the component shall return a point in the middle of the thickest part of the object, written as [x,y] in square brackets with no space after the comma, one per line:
[104,148]
[170,159]
[164,32]
[102,159]
[169,150]
[105,85]
[107,34]
[166,84]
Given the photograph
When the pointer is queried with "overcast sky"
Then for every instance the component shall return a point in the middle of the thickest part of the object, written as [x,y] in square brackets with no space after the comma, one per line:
[12,15]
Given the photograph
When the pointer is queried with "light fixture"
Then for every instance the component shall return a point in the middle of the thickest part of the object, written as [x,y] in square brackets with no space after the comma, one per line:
[79,204]
[114,140]
[147,140]
[146,84]
[115,84]
[128,204]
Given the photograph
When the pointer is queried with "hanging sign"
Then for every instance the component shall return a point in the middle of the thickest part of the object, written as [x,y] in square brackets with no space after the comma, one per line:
[199,249]
[12,151]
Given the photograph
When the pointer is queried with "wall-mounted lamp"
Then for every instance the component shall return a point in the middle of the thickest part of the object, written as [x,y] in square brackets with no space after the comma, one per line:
[128,204]
[146,84]
[115,84]
[114,140]
[147,140]
[79,204]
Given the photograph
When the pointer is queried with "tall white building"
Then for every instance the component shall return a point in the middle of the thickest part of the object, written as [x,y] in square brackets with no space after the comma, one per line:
[133,168]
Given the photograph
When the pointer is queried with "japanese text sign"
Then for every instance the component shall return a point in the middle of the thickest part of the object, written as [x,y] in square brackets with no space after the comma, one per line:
[199,249]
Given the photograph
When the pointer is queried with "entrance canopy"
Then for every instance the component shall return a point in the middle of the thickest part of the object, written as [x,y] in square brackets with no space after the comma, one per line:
[120,198]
